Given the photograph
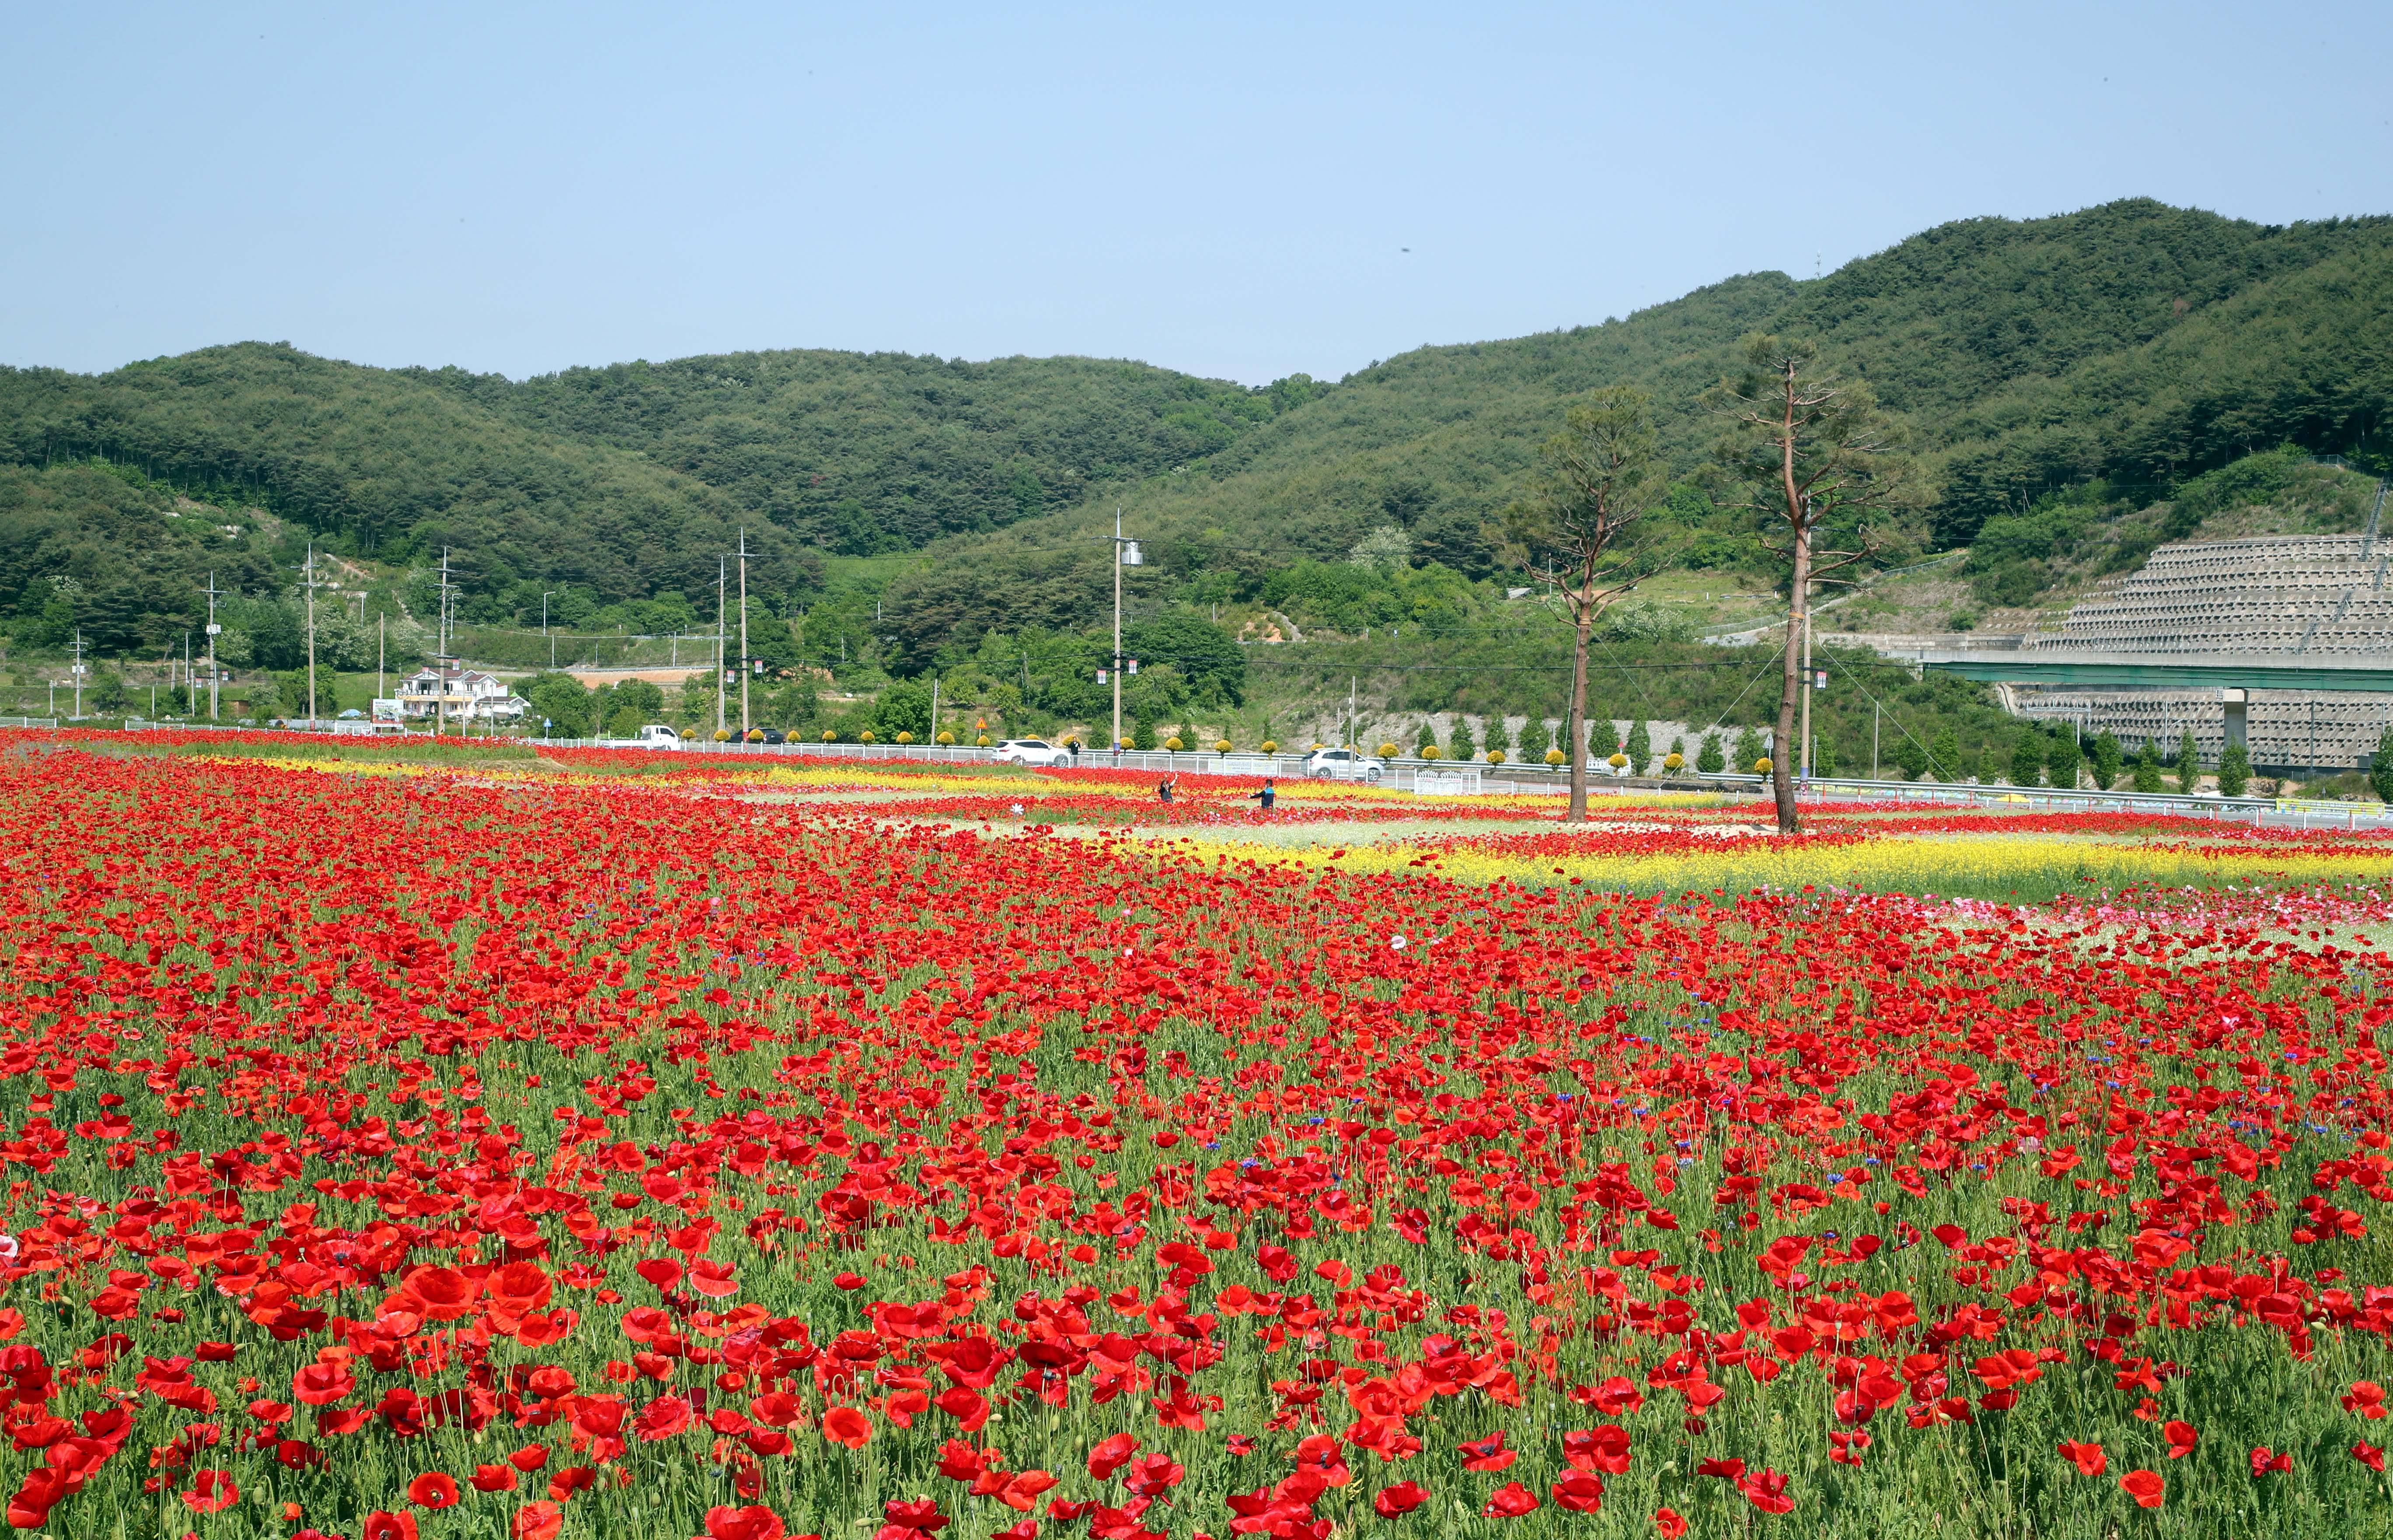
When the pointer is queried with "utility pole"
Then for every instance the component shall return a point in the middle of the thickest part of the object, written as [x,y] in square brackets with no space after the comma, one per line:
[745,665]
[310,570]
[935,710]
[1125,555]
[441,659]
[1804,740]
[721,684]
[1354,728]
[79,644]
[1874,716]
[381,651]
[544,631]
[190,683]
[213,591]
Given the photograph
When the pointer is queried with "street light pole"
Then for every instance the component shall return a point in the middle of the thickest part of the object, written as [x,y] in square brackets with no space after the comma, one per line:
[744,657]
[722,579]
[1803,742]
[1125,555]
[1118,570]
[310,570]
[214,678]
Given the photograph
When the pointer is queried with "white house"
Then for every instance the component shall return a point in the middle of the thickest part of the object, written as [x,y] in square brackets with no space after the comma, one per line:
[461,695]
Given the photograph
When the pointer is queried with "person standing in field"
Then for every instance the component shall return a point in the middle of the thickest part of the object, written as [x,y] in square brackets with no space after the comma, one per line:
[1163,790]
[1266,796]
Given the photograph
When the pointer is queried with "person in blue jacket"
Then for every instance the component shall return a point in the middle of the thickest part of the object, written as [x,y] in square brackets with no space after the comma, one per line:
[1266,796]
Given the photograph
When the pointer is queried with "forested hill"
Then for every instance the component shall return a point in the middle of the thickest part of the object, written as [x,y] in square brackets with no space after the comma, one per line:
[2134,342]
[624,482]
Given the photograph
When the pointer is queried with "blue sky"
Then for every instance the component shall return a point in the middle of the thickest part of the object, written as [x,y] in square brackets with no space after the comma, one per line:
[1226,189]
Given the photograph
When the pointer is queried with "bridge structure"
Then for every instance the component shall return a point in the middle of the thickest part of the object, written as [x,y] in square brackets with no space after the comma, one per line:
[2234,676]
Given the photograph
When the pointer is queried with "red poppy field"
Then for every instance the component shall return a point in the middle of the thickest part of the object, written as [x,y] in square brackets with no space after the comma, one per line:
[432,1156]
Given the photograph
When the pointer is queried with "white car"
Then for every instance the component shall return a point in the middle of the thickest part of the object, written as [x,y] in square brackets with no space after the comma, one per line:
[656,735]
[1343,764]
[1030,750]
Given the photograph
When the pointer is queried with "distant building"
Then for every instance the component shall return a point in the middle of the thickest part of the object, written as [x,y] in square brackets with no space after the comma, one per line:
[461,695]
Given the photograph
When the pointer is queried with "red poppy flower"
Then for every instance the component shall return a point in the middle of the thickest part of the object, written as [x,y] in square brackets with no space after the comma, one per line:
[494,1478]
[2088,1458]
[2365,1397]
[752,1522]
[1766,1490]
[432,1490]
[1510,1501]
[1110,1455]
[1154,1475]
[212,1492]
[1395,1501]
[1579,1490]
[1023,1488]
[2181,1439]
[2368,1455]
[536,1520]
[1488,1454]
[321,1384]
[389,1526]
[663,1418]
[1604,1449]
[2145,1486]
[41,1491]
[439,1293]
[847,1425]
[1670,1523]
[2265,1461]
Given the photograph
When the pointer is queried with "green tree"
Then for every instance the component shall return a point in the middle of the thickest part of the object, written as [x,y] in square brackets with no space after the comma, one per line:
[1207,659]
[1708,758]
[1818,460]
[1584,527]
[2189,765]
[2062,758]
[641,697]
[107,696]
[1640,747]
[2380,767]
[2027,758]
[2107,757]
[1911,757]
[1824,756]
[1428,736]
[2235,770]
[1748,750]
[1499,741]
[1142,733]
[1944,754]
[1460,746]
[567,709]
[2148,768]
[904,707]
[292,691]
[1536,737]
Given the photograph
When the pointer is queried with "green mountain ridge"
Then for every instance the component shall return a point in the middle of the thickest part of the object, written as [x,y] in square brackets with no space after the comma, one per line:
[2135,344]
